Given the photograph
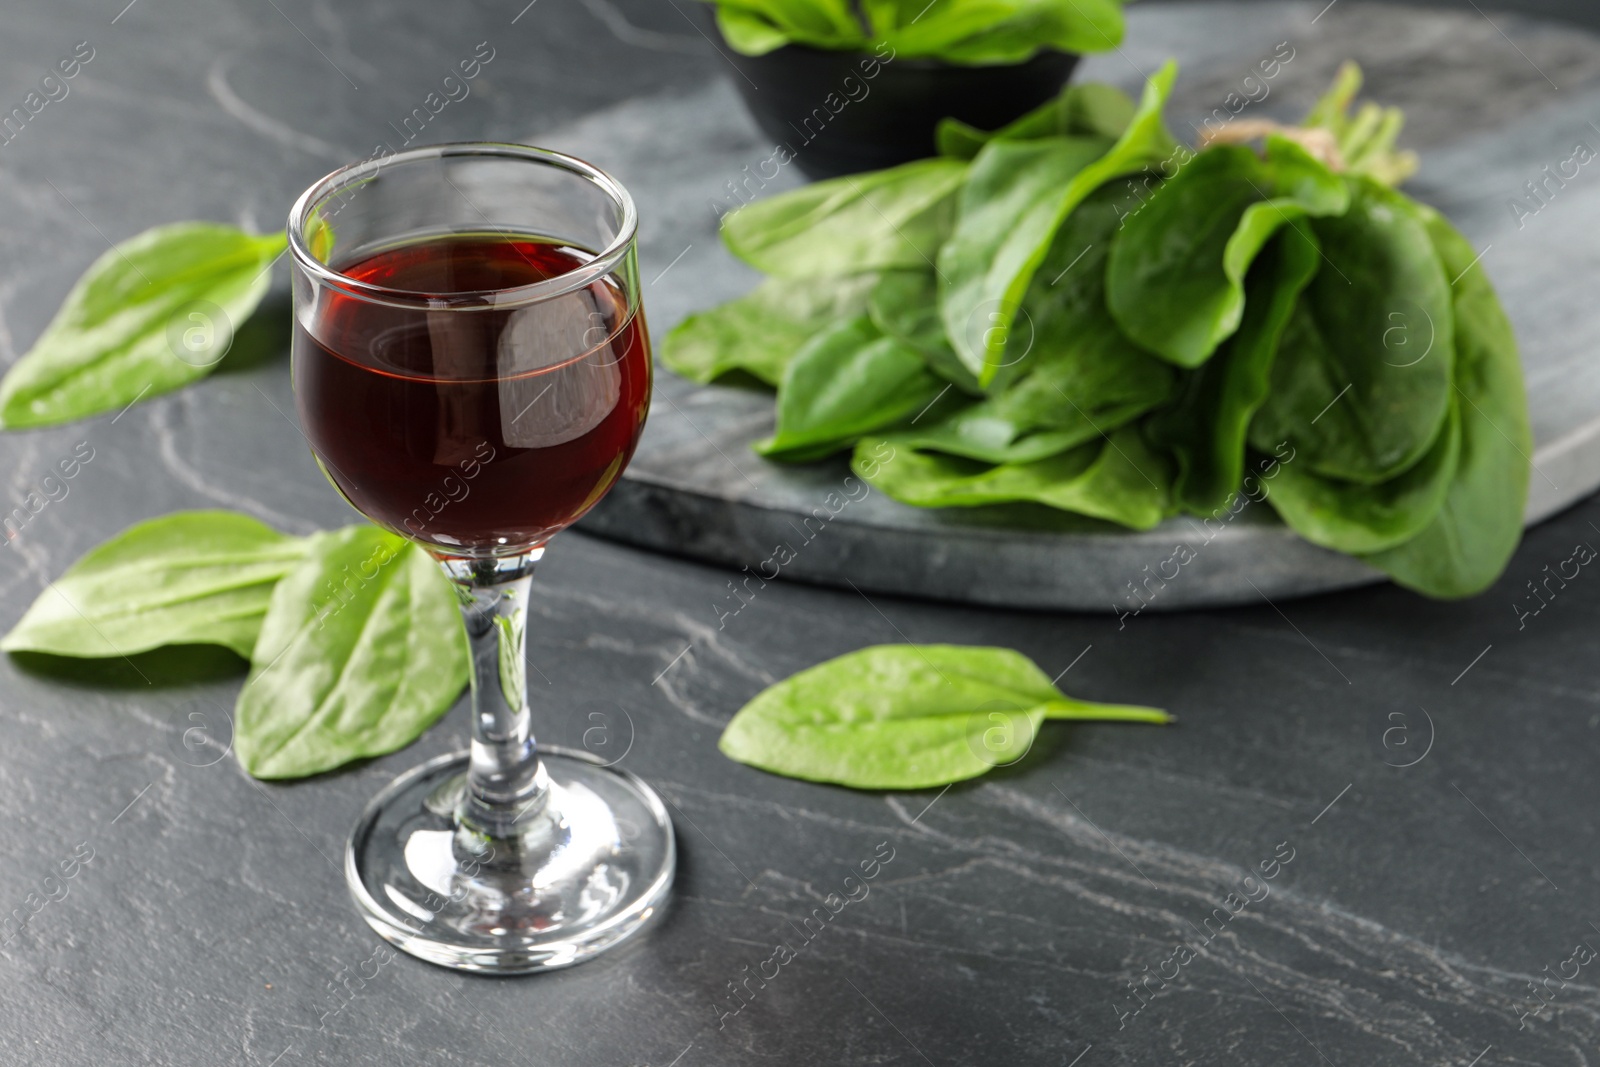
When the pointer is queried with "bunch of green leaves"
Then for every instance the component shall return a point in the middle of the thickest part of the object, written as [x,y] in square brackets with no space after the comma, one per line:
[907,717]
[353,636]
[153,314]
[970,32]
[867,273]
[1076,312]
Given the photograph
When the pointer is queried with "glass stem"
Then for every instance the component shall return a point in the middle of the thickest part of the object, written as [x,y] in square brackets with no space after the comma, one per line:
[506,785]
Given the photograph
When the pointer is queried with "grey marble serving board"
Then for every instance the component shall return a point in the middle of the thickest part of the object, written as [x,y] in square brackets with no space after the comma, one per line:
[1482,113]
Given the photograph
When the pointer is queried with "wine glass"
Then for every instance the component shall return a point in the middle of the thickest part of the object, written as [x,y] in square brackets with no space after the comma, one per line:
[472,369]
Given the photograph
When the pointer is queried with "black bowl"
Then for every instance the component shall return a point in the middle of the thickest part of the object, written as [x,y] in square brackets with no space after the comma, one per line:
[845,112]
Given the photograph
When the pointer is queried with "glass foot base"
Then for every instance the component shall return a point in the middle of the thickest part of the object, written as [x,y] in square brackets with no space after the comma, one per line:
[588,874]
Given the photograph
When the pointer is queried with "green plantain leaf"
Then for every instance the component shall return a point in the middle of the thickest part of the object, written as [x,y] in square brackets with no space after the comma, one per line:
[906,717]
[1472,537]
[1205,430]
[1362,383]
[760,333]
[362,649]
[750,34]
[884,220]
[986,433]
[1175,281]
[1119,479]
[1014,201]
[905,305]
[1007,222]
[847,381]
[1003,31]
[154,313]
[973,32]
[194,577]
[1089,109]
[1076,378]
[756,27]
[1357,519]
[1068,363]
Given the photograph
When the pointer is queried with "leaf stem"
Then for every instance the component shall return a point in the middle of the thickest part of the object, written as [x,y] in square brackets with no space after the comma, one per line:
[1067,708]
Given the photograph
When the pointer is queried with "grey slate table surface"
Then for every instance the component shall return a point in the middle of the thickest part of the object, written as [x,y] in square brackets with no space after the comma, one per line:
[211,924]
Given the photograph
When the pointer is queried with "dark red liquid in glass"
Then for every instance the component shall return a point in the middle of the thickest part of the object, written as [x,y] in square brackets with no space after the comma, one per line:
[473,430]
